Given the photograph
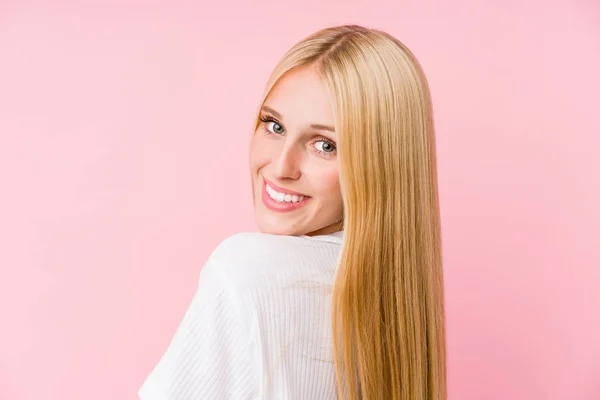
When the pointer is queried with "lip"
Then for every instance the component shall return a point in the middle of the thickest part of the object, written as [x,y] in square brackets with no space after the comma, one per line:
[282,190]
[280,207]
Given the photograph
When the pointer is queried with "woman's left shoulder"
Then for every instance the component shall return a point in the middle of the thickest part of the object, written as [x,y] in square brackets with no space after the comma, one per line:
[247,255]
[246,246]
[265,241]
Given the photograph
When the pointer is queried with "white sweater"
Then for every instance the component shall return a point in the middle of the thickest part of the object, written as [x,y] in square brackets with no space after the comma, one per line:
[258,326]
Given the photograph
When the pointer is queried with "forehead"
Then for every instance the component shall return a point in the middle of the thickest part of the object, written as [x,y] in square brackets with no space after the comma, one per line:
[301,97]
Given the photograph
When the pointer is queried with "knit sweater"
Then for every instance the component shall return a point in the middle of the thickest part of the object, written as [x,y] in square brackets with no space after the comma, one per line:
[258,326]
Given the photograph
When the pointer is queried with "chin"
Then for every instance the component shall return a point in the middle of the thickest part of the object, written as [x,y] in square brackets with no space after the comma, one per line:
[278,230]
[265,225]
[282,232]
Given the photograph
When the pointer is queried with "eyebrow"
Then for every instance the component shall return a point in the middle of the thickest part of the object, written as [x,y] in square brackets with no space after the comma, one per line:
[319,127]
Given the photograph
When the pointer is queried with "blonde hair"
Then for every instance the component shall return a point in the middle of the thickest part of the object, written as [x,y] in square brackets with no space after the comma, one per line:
[388,299]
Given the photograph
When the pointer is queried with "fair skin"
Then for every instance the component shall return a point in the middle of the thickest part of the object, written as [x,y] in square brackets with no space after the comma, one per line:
[293,159]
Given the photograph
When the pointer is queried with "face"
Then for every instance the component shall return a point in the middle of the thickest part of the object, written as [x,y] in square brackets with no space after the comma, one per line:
[293,159]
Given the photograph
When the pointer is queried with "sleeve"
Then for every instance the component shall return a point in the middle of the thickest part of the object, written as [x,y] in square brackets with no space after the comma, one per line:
[210,355]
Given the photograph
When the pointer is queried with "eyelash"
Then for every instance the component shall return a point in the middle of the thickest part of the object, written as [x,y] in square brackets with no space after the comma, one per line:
[268,119]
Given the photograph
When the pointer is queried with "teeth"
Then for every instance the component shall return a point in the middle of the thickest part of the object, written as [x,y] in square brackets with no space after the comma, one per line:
[282,197]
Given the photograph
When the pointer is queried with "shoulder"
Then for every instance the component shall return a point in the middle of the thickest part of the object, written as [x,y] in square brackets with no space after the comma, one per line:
[251,259]
[244,245]
[248,247]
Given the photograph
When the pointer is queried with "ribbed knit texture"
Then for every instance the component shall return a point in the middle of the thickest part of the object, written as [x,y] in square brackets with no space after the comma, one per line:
[258,326]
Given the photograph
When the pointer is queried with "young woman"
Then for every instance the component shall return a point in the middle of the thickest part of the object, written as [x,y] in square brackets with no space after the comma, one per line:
[341,294]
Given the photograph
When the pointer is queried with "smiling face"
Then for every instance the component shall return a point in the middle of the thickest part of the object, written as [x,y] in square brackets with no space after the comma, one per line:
[293,159]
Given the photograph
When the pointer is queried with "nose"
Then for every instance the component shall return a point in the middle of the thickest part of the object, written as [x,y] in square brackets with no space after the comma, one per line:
[288,162]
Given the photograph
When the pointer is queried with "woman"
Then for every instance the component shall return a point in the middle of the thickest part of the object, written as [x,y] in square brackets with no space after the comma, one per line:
[341,294]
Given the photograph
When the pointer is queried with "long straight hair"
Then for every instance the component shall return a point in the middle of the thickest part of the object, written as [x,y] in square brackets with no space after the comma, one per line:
[388,315]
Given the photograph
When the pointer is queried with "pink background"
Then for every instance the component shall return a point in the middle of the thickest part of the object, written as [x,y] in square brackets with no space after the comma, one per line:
[123,152]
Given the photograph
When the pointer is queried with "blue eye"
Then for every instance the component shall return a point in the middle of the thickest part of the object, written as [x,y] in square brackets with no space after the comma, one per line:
[276,128]
[324,146]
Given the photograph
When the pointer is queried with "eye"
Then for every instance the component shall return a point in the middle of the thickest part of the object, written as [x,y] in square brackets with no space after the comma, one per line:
[272,125]
[324,146]
[276,128]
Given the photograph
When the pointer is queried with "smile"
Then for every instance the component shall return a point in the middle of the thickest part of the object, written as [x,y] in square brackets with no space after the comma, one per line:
[282,200]
[282,197]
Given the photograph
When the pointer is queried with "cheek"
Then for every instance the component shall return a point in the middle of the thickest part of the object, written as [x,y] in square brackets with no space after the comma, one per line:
[262,151]
[258,154]
[327,184]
